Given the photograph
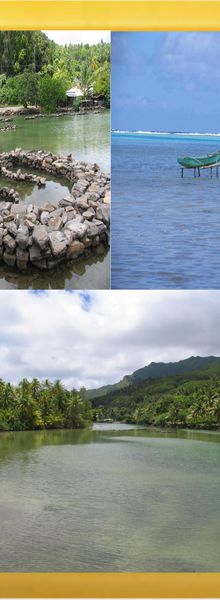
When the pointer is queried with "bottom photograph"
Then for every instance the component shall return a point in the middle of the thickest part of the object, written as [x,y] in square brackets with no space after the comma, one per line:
[110,431]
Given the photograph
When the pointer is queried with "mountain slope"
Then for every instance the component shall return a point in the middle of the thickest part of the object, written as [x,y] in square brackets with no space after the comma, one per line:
[184,399]
[153,371]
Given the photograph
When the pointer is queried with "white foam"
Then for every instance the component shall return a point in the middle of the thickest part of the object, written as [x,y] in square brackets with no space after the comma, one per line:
[159,133]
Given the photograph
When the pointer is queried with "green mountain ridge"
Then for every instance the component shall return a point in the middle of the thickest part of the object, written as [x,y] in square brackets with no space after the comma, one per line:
[154,370]
[184,394]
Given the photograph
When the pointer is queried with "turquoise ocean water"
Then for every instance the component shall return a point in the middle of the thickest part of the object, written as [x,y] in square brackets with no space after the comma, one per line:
[165,229]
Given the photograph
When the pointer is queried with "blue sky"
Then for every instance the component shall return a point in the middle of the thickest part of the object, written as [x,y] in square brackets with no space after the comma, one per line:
[166,81]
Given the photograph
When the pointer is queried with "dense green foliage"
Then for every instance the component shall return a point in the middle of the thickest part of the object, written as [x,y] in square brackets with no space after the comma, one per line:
[36,71]
[188,400]
[35,405]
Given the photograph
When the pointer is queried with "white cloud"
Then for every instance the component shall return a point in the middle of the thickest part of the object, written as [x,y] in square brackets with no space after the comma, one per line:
[97,339]
[193,54]
[78,37]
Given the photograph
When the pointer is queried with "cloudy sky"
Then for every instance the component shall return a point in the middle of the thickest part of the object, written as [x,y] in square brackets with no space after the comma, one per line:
[78,37]
[96,338]
[166,81]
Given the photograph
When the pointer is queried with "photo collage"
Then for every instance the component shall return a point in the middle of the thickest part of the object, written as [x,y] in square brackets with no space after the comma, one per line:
[109,301]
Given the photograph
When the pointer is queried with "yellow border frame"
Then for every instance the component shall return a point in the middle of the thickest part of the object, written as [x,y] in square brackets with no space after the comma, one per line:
[109,585]
[116,15]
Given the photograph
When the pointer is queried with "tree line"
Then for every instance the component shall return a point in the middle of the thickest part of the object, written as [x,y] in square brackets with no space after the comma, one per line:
[47,405]
[166,402]
[36,71]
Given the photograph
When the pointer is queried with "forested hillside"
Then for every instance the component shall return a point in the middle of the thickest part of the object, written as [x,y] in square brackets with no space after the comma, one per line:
[154,370]
[47,405]
[191,399]
[36,71]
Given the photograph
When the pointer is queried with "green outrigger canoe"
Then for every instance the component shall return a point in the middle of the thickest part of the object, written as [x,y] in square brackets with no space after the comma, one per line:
[190,162]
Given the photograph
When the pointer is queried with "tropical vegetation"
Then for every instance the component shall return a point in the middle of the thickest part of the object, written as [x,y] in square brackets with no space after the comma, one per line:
[36,71]
[190,399]
[47,405]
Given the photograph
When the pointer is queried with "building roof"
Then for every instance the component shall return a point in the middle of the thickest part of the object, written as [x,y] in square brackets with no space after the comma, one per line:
[74,92]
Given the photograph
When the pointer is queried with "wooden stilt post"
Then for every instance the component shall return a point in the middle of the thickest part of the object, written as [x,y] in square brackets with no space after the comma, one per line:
[198,172]
[194,172]
[182,172]
[216,171]
[211,171]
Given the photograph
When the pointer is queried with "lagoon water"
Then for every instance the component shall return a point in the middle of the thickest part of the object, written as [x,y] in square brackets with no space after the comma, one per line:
[87,138]
[165,229]
[115,498]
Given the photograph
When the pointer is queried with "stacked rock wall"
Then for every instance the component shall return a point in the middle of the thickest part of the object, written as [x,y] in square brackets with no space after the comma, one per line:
[44,236]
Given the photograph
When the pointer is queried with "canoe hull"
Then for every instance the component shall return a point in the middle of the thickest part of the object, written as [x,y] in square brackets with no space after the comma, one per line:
[190,162]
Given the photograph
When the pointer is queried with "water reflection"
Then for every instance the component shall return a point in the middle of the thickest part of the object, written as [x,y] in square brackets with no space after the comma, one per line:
[92,272]
[55,189]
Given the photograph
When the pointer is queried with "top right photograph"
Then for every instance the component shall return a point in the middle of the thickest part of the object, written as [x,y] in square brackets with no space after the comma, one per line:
[165,173]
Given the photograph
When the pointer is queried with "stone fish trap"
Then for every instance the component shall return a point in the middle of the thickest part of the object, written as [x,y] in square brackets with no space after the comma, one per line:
[47,235]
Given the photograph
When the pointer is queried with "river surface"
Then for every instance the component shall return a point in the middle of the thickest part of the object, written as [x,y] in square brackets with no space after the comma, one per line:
[165,229]
[115,498]
[87,138]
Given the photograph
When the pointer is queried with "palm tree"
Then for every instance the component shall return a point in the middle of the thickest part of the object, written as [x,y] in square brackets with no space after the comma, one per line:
[85,79]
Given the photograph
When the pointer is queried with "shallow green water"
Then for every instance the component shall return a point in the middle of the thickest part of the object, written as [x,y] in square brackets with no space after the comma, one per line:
[111,499]
[87,138]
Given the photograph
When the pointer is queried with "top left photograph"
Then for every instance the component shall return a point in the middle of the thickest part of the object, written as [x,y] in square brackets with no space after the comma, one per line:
[55,160]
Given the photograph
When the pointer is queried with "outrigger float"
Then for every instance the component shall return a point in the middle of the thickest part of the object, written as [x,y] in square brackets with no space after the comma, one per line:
[209,161]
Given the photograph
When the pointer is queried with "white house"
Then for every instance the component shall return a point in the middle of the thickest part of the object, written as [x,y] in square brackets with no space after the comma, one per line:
[74,92]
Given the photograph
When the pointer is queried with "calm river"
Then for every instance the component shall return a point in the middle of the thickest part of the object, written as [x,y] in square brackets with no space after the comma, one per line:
[87,137]
[114,498]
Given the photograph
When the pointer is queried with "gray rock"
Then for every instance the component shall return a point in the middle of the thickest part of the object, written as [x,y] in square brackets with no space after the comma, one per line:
[31,217]
[83,204]
[92,230]
[75,249]
[9,243]
[48,207]
[22,236]
[29,224]
[77,229]
[101,226]
[58,243]
[67,201]
[20,209]
[89,214]
[81,186]
[70,216]
[12,228]
[40,236]
[8,218]
[5,206]
[56,223]
[58,212]
[103,213]
[44,217]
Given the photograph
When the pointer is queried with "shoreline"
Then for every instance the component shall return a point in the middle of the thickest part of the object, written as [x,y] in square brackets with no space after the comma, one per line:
[89,426]
[33,112]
